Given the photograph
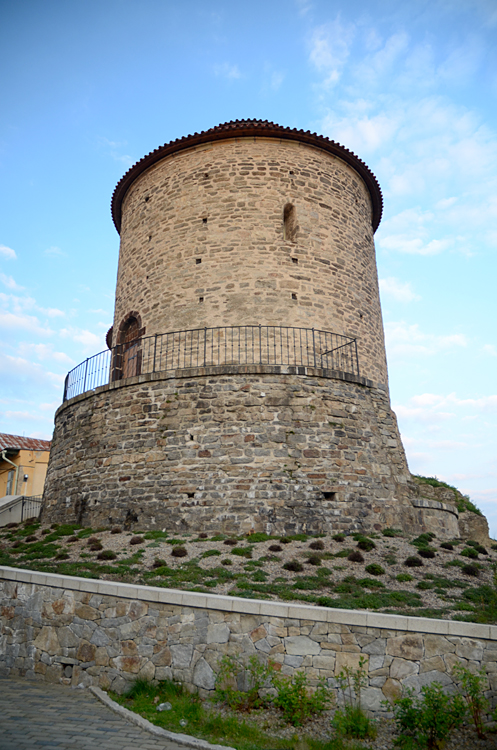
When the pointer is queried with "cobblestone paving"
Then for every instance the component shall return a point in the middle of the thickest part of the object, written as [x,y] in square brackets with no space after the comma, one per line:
[40,715]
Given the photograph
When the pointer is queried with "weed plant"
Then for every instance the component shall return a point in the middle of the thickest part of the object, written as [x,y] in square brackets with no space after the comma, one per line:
[428,720]
[351,720]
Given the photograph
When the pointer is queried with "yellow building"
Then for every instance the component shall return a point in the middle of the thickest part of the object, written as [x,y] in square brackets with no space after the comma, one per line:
[23,465]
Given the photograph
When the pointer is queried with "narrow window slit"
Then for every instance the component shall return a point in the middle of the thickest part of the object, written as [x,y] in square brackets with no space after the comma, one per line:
[289,223]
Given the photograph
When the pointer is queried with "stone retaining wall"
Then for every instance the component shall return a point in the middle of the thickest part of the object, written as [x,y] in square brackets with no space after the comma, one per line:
[235,449]
[91,632]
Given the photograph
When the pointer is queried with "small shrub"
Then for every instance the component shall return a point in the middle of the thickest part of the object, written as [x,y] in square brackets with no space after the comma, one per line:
[211,553]
[106,554]
[96,546]
[471,570]
[428,554]
[317,545]
[341,538]
[447,545]
[366,544]
[413,562]
[423,540]
[63,555]
[472,687]
[351,721]
[314,560]
[275,548]
[391,532]
[47,531]
[157,563]
[12,525]
[374,569]
[404,578]
[72,539]
[227,561]
[285,540]
[469,552]
[136,540]
[294,699]
[179,551]
[203,535]
[255,674]
[427,721]
[93,540]
[242,551]
[231,542]
[355,556]
[116,530]
[31,538]
[294,565]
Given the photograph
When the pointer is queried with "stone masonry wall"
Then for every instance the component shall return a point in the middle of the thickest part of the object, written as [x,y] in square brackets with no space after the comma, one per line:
[82,632]
[203,244]
[263,450]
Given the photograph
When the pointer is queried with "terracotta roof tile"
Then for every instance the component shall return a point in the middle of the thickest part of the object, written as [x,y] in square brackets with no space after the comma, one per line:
[23,443]
[248,128]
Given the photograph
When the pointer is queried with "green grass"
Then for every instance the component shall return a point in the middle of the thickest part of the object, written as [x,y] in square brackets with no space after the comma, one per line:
[463,502]
[208,724]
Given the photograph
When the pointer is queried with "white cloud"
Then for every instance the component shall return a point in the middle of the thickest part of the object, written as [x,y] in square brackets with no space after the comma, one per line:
[413,245]
[90,341]
[44,352]
[7,252]
[54,252]
[399,291]
[407,339]
[490,349]
[9,282]
[330,48]
[226,70]
[13,322]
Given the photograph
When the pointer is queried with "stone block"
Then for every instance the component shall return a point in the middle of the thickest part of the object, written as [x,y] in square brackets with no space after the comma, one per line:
[392,689]
[301,645]
[218,633]
[401,668]
[181,656]
[347,659]
[47,640]
[406,646]
[437,644]
[468,648]
[203,675]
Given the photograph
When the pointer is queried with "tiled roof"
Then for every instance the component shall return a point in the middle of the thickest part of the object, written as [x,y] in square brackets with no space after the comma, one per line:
[244,129]
[23,443]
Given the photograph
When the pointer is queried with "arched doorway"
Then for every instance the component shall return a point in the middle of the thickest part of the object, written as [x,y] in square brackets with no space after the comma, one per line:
[128,352]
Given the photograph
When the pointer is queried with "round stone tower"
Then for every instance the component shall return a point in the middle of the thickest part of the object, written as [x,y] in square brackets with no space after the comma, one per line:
[245,385]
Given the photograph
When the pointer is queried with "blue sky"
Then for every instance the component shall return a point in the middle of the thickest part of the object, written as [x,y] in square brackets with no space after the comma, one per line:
[87,89]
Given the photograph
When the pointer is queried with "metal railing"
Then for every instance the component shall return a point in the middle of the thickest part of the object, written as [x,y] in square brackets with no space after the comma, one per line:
[31,507]
[207,347]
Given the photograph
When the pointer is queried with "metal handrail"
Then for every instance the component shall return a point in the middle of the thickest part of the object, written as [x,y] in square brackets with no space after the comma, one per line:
[207,347]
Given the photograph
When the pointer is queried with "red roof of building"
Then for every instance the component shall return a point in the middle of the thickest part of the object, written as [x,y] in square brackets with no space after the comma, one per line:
[23,443]
[245,129]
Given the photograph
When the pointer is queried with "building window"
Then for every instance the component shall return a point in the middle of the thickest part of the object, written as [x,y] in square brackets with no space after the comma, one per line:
[289,223]
[10,482]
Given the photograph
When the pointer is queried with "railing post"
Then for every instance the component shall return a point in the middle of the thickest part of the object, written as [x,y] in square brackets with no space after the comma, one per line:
[66,383]
[84,380]
[205,346]
[356,357]
[155,351]
[314,346]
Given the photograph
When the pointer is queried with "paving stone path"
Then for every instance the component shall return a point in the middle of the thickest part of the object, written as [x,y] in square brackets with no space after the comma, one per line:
[40,715]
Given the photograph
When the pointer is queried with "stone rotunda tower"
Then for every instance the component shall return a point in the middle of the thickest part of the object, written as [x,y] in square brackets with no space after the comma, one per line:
[245,385]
